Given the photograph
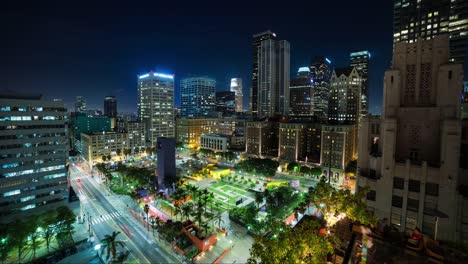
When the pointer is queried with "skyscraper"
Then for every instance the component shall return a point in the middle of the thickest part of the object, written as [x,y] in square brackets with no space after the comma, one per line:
[236,87]
[413,163]
[345,94]
[33,154]
[110,106]
[321,73]
[156,105]
[425,19]
[273,78]
[198,98]
[257,39]
[80,104]
[360,61]
[301,93]
[226,102]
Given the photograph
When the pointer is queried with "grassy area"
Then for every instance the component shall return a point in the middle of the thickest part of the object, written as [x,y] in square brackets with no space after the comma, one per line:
[231,193]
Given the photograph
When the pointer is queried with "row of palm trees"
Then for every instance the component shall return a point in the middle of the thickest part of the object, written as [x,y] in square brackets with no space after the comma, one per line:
[37,231]
[199,209]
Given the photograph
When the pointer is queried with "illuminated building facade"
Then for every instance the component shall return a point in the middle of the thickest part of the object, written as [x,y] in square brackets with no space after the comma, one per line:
[189,131]
[262,138]
[345,94]
[215,142]
[96,145]
[321,73]
[136,133]
[301,93]
[257,40]
[338,148]
[299,141]
[360,61]
[80,104]
[198,98]
[226,102]
[156,105]
[425,19]
[34,149]
[236,87]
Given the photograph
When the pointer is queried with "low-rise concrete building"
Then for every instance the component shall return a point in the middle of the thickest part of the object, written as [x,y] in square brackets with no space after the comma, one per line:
[215,142]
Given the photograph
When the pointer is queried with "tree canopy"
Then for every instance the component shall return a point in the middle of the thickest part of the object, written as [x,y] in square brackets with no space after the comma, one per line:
[301,244]
[265,167]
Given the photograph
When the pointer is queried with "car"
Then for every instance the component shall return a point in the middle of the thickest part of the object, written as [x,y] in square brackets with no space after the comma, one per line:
[78,180]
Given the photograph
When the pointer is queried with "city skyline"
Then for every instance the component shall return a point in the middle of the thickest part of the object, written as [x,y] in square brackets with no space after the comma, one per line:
[99,67]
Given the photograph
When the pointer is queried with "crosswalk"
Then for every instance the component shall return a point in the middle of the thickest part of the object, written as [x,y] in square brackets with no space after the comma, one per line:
[105,218]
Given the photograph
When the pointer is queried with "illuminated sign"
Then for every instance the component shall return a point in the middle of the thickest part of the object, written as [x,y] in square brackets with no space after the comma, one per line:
[329,61]
[143,76]
[360,53]
[162,75]
[304,69]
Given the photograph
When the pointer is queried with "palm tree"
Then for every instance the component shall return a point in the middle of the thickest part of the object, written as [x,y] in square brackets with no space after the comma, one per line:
[186,210]
[146,209]
[218,219]
[48,221]
[258,198]
[110,243]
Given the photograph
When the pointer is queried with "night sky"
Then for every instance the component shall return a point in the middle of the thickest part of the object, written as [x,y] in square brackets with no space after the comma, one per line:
[63,50]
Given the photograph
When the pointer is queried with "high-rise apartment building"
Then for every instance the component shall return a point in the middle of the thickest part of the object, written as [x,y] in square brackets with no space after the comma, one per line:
[414,172]
[321,72]
[198,98]
[236,87]
[345,94]
[80,104]
[271,74]
[156,105]
[110,106]
[301,93]
[33,154]
[338,148]
[136,133]
[257,40]
[299,141]
[262,138]
[425,19]
[360,61]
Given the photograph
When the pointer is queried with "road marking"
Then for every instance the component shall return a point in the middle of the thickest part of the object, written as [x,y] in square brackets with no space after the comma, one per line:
[105,218]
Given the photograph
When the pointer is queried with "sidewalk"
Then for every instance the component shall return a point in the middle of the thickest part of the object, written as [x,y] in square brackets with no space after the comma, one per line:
[237,238]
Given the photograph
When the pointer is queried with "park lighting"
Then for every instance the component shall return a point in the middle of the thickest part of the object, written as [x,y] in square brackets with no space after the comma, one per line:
[97,247]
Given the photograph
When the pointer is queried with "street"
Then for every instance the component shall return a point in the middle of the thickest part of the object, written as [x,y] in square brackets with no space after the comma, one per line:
[106,213]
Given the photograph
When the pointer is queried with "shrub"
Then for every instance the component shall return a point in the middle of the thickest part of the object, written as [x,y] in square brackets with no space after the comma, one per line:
[245,181]
[252,185]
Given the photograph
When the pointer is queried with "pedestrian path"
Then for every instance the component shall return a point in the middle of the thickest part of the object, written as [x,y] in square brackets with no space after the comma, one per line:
[105,218]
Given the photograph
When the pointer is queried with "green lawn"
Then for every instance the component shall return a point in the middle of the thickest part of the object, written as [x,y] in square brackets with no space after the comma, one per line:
[230,193]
